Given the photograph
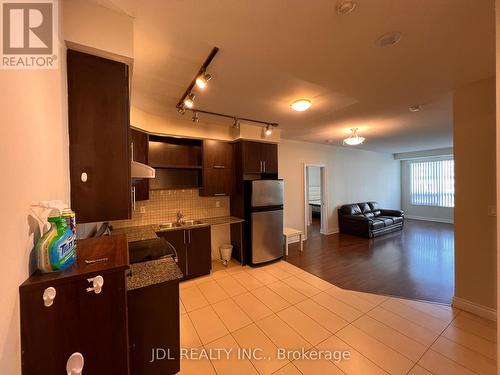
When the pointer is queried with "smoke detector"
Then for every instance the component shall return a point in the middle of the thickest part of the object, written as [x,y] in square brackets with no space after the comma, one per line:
[345,7]
[389,39]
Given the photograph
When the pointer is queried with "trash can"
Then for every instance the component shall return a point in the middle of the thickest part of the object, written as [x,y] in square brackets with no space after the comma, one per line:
[225,253]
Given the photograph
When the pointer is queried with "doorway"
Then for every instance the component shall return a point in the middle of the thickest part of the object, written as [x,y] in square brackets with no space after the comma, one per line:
[315,207]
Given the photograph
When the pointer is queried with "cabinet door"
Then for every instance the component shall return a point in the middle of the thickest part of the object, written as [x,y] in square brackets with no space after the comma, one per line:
[99,148]
[199,251]
[270,158]
[92,324]
[217,182]
[177,239]
[217,154]
[253,153]
[139,147]
[153,322]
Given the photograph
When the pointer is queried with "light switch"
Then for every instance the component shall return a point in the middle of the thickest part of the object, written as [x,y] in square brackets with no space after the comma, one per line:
[217,204]
[143,210]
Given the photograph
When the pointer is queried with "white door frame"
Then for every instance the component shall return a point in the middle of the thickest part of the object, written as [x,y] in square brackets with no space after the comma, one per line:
[324,198]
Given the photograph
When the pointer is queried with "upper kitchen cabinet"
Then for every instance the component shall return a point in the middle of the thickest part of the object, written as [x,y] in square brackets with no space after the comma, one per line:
[258,157]
[139,152]
[218,173]
[217,154]
[99,147]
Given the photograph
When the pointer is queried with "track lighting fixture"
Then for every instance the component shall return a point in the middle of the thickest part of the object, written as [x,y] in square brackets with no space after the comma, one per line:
[189,101]
[268,130]
[236,123]
[202,80]
[181,110]
[195,117]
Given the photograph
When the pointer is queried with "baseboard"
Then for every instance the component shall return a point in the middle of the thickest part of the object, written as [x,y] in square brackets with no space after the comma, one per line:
[474,308]
[435,219]
[331,231]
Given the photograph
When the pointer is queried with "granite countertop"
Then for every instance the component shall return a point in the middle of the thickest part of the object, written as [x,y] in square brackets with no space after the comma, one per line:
[223,220]
[153,272]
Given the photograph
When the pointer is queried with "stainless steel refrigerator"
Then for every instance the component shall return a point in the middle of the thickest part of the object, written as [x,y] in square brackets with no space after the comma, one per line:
[264,215]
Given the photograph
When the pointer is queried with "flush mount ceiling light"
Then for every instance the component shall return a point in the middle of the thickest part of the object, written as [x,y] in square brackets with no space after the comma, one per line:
[389,39]
[415,108]
[354,139]
[189,100]
[301,105]
[202,80]
[345,7]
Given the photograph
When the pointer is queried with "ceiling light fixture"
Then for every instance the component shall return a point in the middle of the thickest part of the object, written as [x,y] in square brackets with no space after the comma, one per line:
[345,7]
[189,100]
[415,108]
[236,123]
[354,139]
[195,117]
[301,105]
[202,80]
[268,130]
[181,110]
[389,39]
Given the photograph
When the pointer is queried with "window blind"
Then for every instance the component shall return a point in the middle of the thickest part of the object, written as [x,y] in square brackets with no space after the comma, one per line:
[433,183]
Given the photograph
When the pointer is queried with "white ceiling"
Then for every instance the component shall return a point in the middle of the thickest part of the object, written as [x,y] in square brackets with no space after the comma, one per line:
[274,51]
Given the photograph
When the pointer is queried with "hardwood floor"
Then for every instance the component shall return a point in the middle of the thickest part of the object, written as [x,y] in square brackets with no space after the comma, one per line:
[417,263]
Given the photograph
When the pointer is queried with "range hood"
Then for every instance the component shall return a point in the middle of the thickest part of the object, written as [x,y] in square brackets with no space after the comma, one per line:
[139,170]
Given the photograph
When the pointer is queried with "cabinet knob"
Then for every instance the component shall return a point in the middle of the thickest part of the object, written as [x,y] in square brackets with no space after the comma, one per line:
[84,177]
[49,294]
[97,283]
[74,365]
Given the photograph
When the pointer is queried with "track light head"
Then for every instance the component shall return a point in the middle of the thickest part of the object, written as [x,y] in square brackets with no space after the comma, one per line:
[269,130]
[189,100]
[195,117]
[236,123]
[202,80]
[181,110]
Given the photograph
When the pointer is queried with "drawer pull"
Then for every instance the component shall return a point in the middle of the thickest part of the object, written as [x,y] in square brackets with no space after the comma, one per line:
[97,283]
[74,365]
[219,166]
[49,294]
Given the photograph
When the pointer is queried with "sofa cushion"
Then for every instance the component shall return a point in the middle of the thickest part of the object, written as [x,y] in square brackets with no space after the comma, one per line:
[369,215]
[351,209]
[386,219]
[375,208]
[378,224]
[365,208]
[397,219]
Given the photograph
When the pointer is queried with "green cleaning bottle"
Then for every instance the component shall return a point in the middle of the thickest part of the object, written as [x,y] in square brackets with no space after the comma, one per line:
[56,248]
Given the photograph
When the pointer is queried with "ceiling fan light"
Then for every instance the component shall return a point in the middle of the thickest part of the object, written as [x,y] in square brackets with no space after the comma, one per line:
[301,105]
[354,139]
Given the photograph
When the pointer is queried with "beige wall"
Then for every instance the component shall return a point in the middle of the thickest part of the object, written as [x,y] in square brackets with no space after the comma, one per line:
[497,9]
[353,175]
[91,25]
[34,167]
[475,193]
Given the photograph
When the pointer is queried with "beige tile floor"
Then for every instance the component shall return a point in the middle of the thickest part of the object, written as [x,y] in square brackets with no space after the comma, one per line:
[281,306]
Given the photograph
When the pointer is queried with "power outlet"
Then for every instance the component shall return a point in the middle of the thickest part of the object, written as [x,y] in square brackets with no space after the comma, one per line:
[217,204]
[492,210]
[143,210]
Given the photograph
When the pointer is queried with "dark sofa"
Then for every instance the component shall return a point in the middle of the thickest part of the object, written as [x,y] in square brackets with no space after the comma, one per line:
[366,219]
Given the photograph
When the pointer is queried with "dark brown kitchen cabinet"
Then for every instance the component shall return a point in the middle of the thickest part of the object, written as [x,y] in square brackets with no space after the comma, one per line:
[218,172]
[193,248]
[153,325]
[217,154]
[78,320]
[259,157]
[99,147]
[139,152]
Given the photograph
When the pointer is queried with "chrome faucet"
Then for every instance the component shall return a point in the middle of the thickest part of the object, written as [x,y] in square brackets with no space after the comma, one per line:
[180,216]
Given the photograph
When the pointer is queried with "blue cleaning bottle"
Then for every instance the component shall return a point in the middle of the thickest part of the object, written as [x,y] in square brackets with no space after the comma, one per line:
[62,248]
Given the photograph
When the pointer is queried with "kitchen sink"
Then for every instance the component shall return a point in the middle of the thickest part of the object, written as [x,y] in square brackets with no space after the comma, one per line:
[190,223]
[185,223]
[170,225]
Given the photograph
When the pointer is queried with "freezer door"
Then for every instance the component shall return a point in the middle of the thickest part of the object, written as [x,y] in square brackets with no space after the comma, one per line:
[267,193]
[267,236]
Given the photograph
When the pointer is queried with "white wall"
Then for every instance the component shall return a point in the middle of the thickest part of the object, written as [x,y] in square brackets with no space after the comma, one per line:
[441,214]
[353,175]
[34,166]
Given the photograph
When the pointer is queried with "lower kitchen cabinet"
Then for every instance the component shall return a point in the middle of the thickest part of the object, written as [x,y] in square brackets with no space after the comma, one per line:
[193,248]
[79,318]
[153,326]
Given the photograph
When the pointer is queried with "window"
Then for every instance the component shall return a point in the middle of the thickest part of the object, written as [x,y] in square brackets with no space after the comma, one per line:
[433,183]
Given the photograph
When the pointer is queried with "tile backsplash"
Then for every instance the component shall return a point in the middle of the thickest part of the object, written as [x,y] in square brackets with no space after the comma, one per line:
[163,205]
